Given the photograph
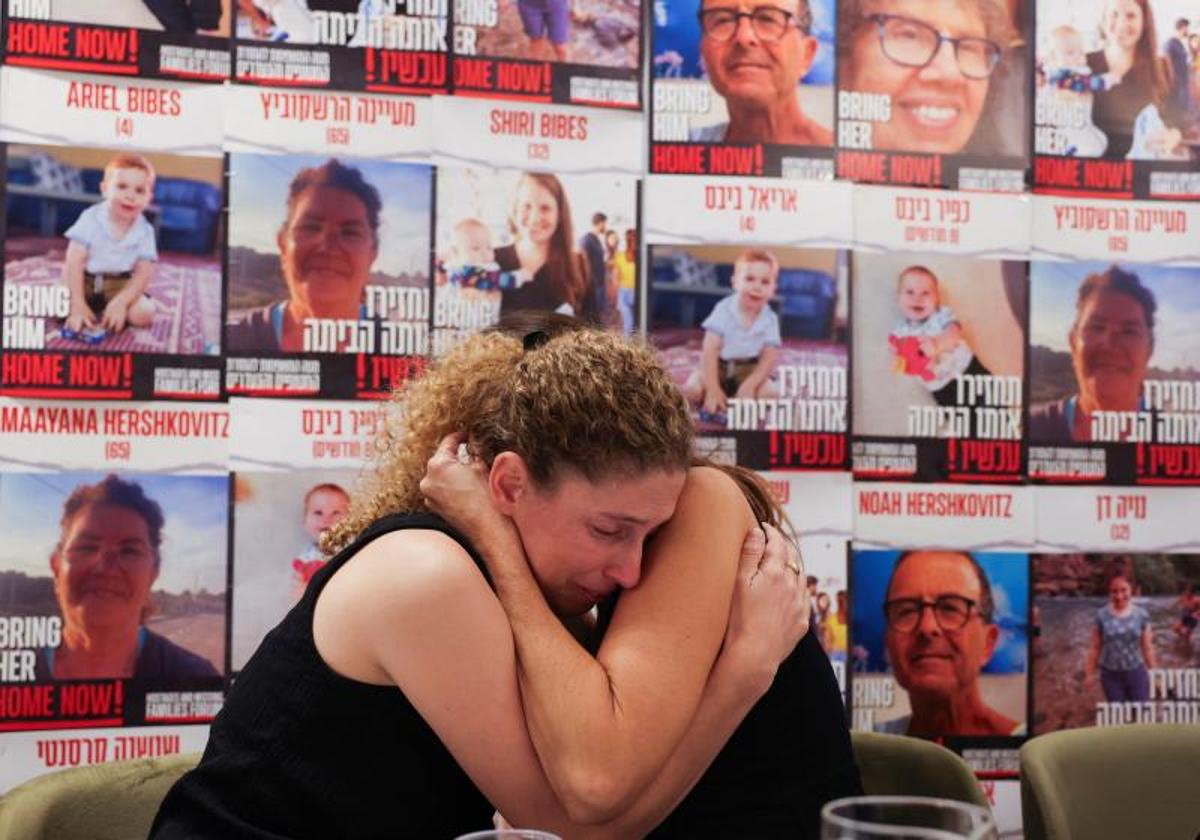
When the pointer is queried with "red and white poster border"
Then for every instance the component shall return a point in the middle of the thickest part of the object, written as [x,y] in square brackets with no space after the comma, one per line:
[1083,228]
[972,224]
[295,121]
[32,753]
[160,437]
[972,517]
[683,209]
[818,503]
[68,109]
[1107,519]
[528,135]
[281,435]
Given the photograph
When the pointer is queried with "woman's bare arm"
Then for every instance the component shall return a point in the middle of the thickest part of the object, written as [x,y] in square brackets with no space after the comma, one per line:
[604,726]
[412,610]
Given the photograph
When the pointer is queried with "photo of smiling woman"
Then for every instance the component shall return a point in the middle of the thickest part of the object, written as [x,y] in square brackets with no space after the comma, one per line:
[309,235]
[933,76]
[1098,333]
[1114,79]
[510,240]
[135,573]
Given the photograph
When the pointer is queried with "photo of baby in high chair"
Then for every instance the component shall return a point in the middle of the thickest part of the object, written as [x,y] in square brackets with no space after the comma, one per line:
[927,341]
[325,505]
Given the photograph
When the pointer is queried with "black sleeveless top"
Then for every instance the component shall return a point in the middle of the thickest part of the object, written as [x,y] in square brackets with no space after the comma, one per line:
[299,751]
[789,757]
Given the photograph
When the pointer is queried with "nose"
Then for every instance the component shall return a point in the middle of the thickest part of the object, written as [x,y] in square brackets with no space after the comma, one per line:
[330,237]
[626,569]
[943,65]
[927,625]
[745,34]
[110,556]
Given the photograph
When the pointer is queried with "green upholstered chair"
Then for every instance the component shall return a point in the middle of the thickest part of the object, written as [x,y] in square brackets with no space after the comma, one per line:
[1139,781]
[115,801]
[896,765]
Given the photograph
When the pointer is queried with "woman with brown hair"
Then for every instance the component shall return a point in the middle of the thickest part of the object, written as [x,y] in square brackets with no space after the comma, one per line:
[415,688]
[1130,54]
[543,250]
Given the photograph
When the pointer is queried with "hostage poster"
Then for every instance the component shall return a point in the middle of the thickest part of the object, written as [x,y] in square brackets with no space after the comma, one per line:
[329,275]
[172,40]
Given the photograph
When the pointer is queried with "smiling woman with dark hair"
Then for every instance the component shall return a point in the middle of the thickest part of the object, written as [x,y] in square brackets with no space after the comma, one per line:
[104,566]
[327,245]
[543,251]
[1111,343]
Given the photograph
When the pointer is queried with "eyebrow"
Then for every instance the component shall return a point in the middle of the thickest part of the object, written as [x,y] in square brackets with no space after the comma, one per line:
[623,517]
[93,536]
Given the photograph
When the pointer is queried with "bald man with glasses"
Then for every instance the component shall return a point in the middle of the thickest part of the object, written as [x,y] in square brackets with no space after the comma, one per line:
[940,634]
[756,53]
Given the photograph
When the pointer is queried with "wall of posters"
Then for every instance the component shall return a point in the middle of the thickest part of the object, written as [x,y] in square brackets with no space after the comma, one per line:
[931,269]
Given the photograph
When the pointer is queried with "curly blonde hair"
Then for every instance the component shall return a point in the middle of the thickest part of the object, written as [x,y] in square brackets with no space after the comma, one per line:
[584,399]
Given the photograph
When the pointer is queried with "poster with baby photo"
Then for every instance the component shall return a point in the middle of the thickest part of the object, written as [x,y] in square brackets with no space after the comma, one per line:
[570,52]
[934,94]
[278,520]
[743,89]
[939,649]
[169,39]
[329,275]
[1114,640]
[294,463]
[1117,99]
[113,593]
[1114,374]
[510,240]
[939,361]
[383,46]
[756,338]
[112,274]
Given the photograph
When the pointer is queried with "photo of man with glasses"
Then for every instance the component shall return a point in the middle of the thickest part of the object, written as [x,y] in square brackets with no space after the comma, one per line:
[743,72]
[931,76]
[756,53]
[951,628]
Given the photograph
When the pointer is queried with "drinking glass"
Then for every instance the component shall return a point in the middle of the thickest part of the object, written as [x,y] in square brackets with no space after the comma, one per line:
[909,817]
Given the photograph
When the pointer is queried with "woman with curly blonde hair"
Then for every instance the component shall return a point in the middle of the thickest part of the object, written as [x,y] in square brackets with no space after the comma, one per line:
[417,686]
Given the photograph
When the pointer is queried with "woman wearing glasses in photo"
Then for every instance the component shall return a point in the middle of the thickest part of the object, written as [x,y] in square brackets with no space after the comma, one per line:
[935,60]
[755,55]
